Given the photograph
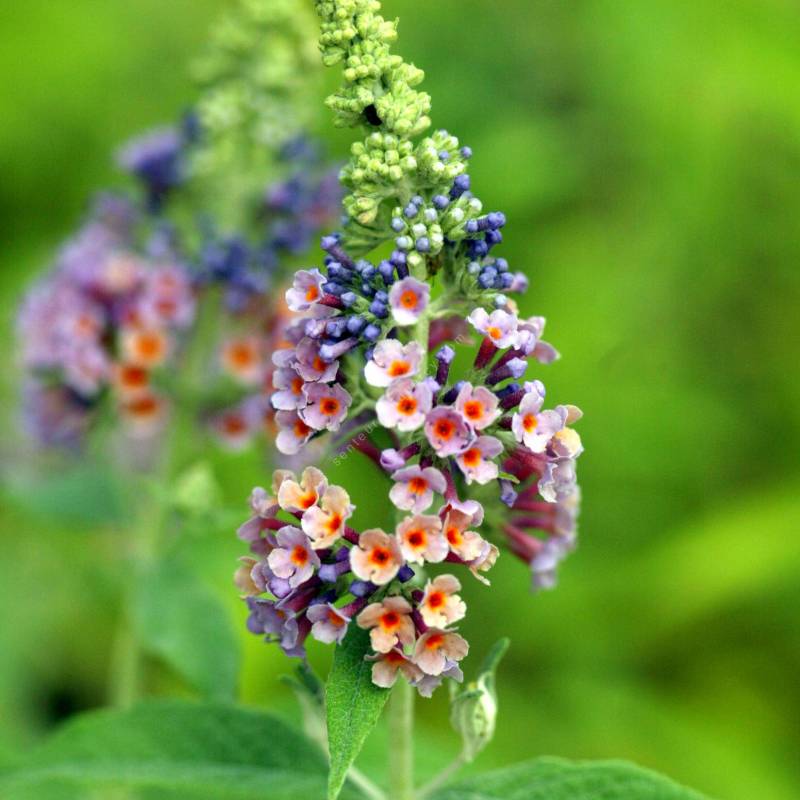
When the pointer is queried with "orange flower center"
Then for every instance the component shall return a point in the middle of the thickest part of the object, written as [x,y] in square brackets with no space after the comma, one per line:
[398,368]
[434,642]
[416,538]
[334,522]
[149,345]
[454,536]
[394,657]
[471,457]
[242,355]
[307,500]
[436,599]
[529,422]
[329,406]
[407,405]
[143,406]
[301,430]
[408,299]
[319,365]
[312,293]
[390,620]
[417,485]
[335,619]
[473,409]
[380,556]
[133,377]
[494,332]
[299,555]
[444,429]
[233,424]
[297,385]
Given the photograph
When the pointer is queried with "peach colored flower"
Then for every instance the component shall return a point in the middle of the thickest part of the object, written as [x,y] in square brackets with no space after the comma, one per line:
[440,605]
[387,665]
[421,539]
[436,647]
[389,623]
[294,496]
[324,524]
[377,557]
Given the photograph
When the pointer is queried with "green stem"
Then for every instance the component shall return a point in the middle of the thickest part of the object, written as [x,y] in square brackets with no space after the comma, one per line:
[370,789]
[442,778]
[401,741]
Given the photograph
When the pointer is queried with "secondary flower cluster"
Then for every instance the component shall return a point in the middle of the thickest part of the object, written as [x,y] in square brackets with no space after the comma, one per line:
[315,575]
[106,318]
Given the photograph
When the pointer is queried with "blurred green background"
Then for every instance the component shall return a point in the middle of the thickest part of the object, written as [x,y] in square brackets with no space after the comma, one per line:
[647,155]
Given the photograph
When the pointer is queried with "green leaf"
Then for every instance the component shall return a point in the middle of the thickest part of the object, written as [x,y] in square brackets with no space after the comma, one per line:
[181,620]
[354,705]
[557,779]
[174,751]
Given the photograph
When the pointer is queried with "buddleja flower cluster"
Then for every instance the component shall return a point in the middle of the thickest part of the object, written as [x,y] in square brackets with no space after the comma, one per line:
[225,200]
[322,576]
[358,365]
[108,319]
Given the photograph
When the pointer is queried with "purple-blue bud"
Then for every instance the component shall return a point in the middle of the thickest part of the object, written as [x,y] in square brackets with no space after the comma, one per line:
[348,298]
[386,269]
[362,588]
[380,310]
[382,296]
[423,244]
[507,493]
[372,332]
[398,226]
[441,201]
[405,573]
[445,354]
[330,573]
[466,152]
[355,324]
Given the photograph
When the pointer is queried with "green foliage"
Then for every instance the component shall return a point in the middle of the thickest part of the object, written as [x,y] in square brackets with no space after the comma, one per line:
[354,705]
[171,750]
[556,779]
[181,620]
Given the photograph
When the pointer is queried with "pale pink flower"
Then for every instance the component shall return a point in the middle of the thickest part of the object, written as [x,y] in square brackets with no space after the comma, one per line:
[306,289]
[377,557]
[421,539]
[387,665]
[241,359]
[477,405]
[288,385]
[414,487]
[447,431]
[145,347]
[389,623]
[408,299]
[476,461]
[566,443]
[532,426]
[404,405]
[310,364]
[530,341]
[499,326]
[485,561]
[436,647]
[466,544]
[440,605]
[244,577]
[329,623]
[325,523]
[293,432]
[294,496]
[392,360]
[327,406]
[293,559]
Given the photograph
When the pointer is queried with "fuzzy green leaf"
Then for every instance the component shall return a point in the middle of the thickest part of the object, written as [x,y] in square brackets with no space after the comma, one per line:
[557,779]
[354,705]
[174,751]
[182,621]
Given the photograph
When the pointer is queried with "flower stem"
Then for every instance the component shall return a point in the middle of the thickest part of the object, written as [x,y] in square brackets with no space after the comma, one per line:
[401,741]
[442,778]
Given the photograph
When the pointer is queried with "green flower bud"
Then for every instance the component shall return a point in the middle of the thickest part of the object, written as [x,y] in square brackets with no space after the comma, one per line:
[473,709]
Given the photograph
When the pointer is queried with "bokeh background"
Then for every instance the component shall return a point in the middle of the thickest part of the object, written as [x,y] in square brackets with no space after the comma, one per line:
[648,158]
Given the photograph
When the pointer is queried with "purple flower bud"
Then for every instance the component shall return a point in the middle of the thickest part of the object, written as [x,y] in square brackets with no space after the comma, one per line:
[441,201]
[371,333]
[362,588]
[507,493]
[406,573]
[391,460]
[348,298]
[379,309]
[330,573]
[330,352]
[466,152]
[423,244]
[513,368]
[279,587]
[355,324]
[398,226]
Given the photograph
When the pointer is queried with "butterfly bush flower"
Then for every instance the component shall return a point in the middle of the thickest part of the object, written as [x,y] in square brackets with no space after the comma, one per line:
[424,342]
[296,585]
